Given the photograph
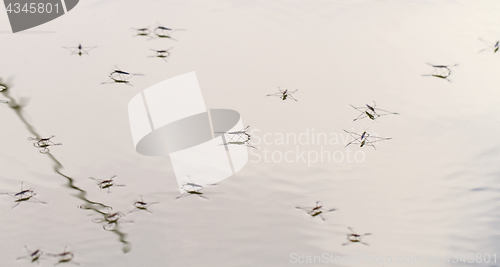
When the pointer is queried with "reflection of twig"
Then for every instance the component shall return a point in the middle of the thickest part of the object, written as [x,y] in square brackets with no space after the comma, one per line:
[81,194]
[17,107]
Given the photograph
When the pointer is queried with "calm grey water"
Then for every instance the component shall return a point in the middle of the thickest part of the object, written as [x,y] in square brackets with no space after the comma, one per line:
[430,193]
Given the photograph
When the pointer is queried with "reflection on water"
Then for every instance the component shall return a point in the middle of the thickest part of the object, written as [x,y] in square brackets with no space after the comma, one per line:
[43,143]
[192,190]
[433,189]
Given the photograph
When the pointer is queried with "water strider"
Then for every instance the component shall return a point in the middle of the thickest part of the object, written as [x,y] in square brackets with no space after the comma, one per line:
[120,76]
[24,195]
[241,137]
[64,257]
[364,139]
[441,71]
[141,205]
[163,54]
[43,143]
[162,32]
[111,220]
[191,191]
[34,256]
[284,94]
[316,210]
[106,184]
[142,31]
[491,46]
[80,50]
[355,238]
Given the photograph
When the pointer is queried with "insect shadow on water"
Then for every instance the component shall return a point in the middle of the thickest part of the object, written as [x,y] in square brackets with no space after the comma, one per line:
[491,46]
[355,238]
[141,205]
[241,138]
[284,94]
[163,54]
[441,71]
[33,256]
[64,257]
[43,143]
[105,184]
[316,210]
[120,76]
[80,50]
[25,195]
[111,220]
[364,139]
[371,112]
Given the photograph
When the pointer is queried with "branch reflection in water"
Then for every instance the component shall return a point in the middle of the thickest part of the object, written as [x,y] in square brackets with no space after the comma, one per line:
[17,106]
